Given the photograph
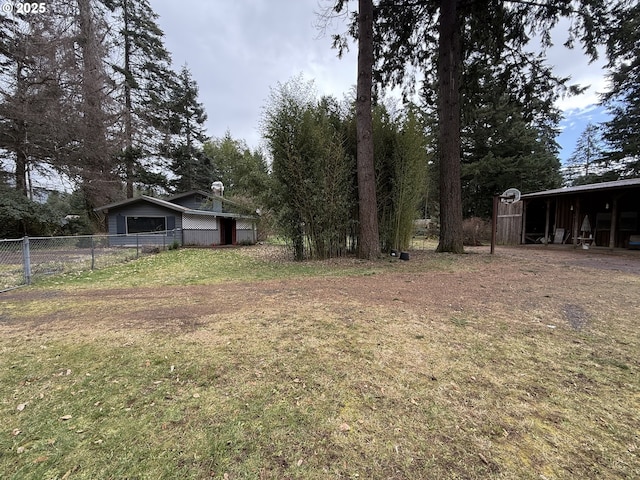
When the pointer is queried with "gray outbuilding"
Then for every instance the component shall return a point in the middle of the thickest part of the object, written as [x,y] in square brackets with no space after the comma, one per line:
[191,218]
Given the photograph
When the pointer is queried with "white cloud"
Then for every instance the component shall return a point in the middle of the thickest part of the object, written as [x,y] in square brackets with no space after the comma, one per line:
[574,63]
[237,51]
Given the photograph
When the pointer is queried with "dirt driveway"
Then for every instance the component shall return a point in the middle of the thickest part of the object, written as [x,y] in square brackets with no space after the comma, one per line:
[532,284]
[597,258]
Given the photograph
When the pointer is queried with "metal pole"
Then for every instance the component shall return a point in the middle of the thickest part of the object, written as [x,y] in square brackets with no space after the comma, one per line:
[26,260]
[93,254]
[137,245]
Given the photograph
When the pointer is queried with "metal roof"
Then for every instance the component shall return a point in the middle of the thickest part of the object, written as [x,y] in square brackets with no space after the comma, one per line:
[190,192]
[592,187]
[157,201]
[204,193]
[209,213]
[172,206]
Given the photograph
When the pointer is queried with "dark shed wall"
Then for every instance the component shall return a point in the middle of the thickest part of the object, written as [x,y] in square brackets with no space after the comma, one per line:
[610,210]
[564,218]
[606,211]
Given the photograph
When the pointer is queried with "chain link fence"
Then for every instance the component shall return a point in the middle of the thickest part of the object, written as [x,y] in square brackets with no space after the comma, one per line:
[24,260]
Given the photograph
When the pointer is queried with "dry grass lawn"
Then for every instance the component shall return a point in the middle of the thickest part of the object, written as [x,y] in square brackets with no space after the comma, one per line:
[240,364]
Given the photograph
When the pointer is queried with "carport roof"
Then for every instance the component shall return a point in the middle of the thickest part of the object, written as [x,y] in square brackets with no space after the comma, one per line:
[593,187]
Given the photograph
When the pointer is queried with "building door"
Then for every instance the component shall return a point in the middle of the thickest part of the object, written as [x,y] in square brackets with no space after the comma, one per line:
[228,231]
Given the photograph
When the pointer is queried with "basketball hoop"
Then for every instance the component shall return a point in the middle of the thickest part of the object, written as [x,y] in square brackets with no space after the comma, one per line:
[511,195]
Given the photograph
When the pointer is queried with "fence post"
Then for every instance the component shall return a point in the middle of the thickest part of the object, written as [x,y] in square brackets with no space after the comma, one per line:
[93,254]
[494,222]
[26,260]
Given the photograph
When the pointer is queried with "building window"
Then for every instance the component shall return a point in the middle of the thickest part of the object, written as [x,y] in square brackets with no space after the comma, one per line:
[146,224]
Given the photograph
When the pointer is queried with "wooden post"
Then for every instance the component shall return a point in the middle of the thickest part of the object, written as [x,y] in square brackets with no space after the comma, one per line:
[576,221]
[614,223]
[546,223]
[523,233]
[494,223]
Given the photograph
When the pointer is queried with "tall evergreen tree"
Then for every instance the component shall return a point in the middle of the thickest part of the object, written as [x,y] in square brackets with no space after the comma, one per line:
[508,137]
[242,171]
[362,29]
[369,242]
[501,150]
[588,151]
[192,168]
[144,71]
[622,132]
[94,162]
[15,114]
[7,27]
[36,82]
[508,130]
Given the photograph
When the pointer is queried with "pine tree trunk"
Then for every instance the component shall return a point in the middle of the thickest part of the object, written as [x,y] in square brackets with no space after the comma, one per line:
[128,114]
[99,183]
[449,66]
[369,243]
[20,145]
[21,165]
[21,158]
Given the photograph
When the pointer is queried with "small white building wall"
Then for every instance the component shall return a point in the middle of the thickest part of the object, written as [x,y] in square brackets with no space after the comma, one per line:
[205,230]
[199,222]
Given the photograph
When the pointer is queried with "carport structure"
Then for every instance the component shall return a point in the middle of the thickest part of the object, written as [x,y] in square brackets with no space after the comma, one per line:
[610,210]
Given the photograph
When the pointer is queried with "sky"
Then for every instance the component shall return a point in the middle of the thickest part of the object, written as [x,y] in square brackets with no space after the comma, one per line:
[237,50]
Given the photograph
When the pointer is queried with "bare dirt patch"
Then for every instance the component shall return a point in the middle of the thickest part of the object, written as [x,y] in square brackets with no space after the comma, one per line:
[540,284]
[598,258]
